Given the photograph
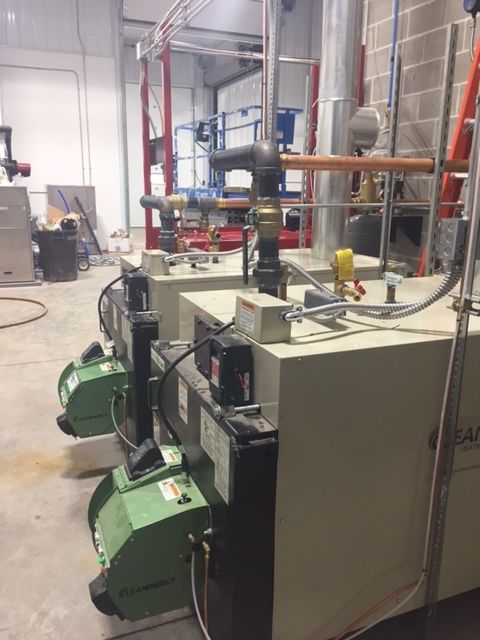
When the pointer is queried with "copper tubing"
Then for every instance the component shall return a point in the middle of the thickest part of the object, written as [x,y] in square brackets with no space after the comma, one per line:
[244,203]
[351,163]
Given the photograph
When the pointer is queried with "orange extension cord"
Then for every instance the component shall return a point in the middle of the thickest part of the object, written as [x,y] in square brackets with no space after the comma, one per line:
[37,317]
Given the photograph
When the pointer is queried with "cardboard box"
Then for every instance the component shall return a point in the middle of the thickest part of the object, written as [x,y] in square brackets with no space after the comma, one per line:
[119,245]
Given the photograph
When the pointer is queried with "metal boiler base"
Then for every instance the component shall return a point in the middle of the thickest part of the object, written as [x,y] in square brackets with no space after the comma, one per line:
[357,406]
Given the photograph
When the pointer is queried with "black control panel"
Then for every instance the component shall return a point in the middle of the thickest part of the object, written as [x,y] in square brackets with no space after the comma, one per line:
[136,291]
[231,371]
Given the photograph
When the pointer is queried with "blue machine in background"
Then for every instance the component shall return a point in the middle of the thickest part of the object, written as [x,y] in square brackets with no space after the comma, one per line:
[210,134]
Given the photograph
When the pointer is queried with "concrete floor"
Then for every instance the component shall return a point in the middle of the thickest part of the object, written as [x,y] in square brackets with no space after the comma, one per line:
[46,480]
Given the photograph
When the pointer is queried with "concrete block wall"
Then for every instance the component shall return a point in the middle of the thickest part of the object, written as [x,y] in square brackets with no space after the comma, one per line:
[422,34]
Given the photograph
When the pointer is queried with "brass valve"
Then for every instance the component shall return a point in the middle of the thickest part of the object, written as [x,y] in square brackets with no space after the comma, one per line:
[214,237]
[368,189]
[343,291]
[269,217]
[182,245]
[342,265]
[178,201]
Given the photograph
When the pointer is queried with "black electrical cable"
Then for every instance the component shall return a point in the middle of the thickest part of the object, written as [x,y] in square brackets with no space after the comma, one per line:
[102,295]
[169,426]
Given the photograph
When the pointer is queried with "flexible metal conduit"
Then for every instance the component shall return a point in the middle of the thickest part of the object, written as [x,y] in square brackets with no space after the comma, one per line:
[308,277]
[383,311]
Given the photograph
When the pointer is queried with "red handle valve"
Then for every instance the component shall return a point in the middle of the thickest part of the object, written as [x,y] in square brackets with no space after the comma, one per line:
[358,286]
[24,169]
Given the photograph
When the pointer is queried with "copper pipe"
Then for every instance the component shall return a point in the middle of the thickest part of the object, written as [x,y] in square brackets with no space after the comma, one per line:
[244,203]
[351,163]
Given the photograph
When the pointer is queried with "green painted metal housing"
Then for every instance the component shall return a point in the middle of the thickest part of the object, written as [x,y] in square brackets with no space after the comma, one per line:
[140,529]
[85,391]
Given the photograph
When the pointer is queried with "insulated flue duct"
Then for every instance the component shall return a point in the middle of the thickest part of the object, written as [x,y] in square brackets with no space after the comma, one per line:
[337,104]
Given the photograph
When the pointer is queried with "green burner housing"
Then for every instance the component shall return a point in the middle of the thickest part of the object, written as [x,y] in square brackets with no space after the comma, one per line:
[85,389]
[140,529]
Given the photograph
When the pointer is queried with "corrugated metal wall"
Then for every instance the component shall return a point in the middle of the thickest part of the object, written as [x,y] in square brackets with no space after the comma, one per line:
[300,37]
[54,26]
[183,68]
[51,25]
[63,107]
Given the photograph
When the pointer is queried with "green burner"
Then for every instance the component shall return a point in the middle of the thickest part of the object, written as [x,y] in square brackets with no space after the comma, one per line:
[86,388]
[140,529]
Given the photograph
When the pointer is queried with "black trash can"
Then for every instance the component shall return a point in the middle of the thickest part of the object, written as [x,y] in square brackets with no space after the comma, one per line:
[58,255]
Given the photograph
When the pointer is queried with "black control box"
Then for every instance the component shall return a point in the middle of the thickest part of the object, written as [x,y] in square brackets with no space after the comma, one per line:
[202,329]
[136,291]
[231,371]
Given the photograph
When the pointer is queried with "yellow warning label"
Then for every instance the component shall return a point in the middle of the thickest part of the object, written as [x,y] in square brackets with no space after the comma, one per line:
[345,264]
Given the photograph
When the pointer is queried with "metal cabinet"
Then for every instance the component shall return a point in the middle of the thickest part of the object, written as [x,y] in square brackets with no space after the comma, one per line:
[16,259]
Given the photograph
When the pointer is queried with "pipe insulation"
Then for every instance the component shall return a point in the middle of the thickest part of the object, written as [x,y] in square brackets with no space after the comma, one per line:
[337,104]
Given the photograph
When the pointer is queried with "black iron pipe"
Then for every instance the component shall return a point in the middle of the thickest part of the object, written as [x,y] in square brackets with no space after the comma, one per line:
[262,158]
[164,205]
[251,157]
[268,270]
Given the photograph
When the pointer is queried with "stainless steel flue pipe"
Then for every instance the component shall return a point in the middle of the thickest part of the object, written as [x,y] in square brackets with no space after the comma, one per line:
[337,103]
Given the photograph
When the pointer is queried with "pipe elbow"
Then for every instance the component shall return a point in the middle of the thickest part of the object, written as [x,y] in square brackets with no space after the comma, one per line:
[265,156]
[261,156]
[163,204]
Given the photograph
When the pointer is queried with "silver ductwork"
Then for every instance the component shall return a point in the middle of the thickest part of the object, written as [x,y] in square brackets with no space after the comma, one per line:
[337,105]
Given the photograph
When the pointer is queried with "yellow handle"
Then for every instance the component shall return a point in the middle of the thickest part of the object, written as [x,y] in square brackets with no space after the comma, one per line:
[345,264]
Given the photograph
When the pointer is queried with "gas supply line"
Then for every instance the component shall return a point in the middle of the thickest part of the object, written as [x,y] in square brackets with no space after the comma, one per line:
[265,162]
